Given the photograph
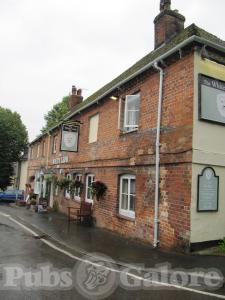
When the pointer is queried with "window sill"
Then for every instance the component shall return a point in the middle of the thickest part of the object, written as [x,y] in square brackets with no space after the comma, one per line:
[122,133]
[77,200]
[119,216]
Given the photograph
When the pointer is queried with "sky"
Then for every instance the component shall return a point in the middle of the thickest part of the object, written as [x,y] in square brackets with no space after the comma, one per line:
[49,45]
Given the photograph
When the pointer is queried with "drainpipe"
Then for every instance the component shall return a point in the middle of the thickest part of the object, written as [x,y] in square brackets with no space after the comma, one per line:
[157,151]
[48,149]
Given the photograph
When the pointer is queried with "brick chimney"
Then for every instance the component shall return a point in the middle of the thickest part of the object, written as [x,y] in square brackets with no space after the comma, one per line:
[168,23]
[75,98]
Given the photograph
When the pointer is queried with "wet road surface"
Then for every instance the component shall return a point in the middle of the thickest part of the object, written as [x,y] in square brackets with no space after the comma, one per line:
[19,248]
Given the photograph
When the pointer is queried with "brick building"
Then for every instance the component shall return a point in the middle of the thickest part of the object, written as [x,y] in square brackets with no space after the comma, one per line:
[151,137]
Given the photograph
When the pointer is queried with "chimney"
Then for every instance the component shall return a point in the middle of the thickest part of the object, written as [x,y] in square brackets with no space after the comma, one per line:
[168,23]
[75,98]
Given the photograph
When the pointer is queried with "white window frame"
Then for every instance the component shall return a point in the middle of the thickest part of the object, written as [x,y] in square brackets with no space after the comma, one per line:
[43,149]
[90,137]
[77,177]
[127,213]
[31,152]
[128,127]
[38,150]
[37,183]
[67,191]
[89,200]
[54,145]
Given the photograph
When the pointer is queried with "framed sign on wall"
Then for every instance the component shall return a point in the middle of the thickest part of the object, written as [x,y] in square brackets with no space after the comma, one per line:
[208,191]
[69,138]
[211,99]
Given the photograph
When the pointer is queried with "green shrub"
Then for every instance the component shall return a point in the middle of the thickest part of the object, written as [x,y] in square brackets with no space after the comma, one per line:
[222,245]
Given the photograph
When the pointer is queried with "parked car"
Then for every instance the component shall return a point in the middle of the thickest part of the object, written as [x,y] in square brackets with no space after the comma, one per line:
[12,195]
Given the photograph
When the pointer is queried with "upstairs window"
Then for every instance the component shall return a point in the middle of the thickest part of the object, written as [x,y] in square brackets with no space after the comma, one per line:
[38,150]
[129,113]
[31,152]
[43,149]
[93,128]
[54,144]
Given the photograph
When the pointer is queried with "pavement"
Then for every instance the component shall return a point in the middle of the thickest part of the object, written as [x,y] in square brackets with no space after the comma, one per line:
[81,240]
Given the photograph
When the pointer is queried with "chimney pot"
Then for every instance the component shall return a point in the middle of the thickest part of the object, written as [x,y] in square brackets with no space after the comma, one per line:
[75,98]
[74,90]
[168,23]
[79,92]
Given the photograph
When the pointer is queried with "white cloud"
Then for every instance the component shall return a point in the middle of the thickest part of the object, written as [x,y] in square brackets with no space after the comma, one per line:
[49,45]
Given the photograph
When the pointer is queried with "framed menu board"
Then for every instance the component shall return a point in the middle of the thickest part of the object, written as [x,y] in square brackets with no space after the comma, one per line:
[208,191]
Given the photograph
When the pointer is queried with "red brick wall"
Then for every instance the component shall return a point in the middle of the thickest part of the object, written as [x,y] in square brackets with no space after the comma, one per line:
[116,153]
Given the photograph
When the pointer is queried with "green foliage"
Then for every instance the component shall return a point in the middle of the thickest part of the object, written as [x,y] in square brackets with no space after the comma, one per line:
[5,175]
[76,185]
[222,245]
[56,114]
[63,183]
[14,140]
[98,189]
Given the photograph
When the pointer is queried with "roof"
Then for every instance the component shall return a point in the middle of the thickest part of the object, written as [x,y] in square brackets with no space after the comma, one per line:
[187,33]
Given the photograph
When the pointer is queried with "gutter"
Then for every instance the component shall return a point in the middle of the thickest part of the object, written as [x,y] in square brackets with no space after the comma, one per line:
[157,156]
[191,39]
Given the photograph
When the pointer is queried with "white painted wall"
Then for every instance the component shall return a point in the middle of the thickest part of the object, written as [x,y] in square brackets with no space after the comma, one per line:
[209,150]
[23,175]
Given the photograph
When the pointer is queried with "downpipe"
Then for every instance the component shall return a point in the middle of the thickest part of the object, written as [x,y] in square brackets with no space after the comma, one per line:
[157,160]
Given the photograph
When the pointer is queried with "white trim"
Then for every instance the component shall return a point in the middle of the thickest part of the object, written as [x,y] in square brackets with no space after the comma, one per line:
[119,115]
[86,187]
[54,146]
[126,126]
[67,192]
[126,212]
[38,150]
[79,176]
[93,128]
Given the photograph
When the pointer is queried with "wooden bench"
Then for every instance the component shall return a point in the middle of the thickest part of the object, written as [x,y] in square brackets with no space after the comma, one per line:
[82,215]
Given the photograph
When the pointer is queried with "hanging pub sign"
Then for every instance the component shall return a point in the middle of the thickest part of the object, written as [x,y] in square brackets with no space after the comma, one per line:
[69,138]
[208,191]
[211,99]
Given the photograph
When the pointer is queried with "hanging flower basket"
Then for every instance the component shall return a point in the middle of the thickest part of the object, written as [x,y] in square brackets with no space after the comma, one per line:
[63,183]
[49,177]
[77,184]
[98,189]
[31,178]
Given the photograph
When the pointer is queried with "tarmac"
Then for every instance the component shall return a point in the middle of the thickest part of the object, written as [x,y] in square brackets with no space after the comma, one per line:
[82,240]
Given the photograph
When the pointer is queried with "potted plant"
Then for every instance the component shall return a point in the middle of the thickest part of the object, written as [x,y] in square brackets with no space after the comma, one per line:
[98,189]
[33,204]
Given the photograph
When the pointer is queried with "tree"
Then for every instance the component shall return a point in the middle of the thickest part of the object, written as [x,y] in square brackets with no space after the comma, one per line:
[13,143]
[56,114]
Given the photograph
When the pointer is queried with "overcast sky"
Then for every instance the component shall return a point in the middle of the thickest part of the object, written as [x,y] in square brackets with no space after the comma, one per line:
[49,45]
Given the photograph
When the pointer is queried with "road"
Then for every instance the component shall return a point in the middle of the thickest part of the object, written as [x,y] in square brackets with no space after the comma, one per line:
[24,253]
